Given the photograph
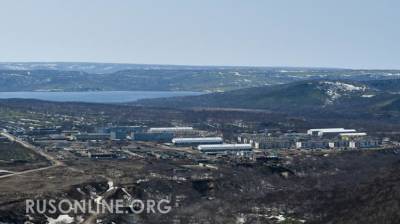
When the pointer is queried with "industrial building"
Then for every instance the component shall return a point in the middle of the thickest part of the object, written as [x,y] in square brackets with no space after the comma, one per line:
[122,132]
[313,144]
[215,149]
[181,135]
[177,131]
[92,137]
[337,143]
[53,137]
[197,141]
[265,141]
[365,143]
[118,135]
[102,155]
[170,129]
[324,138]
[274,143]
[153,137]
[43,131]
[324,132]
[348,136]
[129,128]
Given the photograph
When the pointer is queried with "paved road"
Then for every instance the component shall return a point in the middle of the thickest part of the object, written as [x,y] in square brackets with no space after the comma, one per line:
[33,148]
[27,171]
[6,171]
[55,162]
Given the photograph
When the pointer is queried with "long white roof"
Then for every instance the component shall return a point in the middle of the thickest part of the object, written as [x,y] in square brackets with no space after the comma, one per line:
[354,134]
[197,140]
[170,129]
[225,147]
[330,130]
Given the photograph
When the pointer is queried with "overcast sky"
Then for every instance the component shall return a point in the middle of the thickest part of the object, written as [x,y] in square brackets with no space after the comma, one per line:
[318,33]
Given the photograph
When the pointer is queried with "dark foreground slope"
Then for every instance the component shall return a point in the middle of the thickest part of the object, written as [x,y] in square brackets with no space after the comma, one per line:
[348,187]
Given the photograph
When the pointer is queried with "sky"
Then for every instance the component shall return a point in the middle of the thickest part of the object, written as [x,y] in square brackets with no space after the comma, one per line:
[307,33]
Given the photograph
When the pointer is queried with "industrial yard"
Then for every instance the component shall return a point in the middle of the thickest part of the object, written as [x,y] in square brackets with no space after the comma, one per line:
[118,142]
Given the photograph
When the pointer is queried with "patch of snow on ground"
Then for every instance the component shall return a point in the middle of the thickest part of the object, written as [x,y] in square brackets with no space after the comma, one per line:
[110,185]
[240,220]
[126,192]
[333,94]
[142,180]
[80,191]
[345,86]
[367,96]
[60,219]
[336,89]
[98,199]
[279,218]
[392,74]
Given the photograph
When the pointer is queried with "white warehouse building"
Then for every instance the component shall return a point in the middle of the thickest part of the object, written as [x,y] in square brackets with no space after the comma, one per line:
[197,141]
[170,129]
[324,131]
[225,148]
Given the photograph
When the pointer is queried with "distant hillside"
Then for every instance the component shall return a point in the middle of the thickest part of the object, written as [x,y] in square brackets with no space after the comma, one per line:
[87,67]
[297,96]
[392,85]
[392,105]
[117,77]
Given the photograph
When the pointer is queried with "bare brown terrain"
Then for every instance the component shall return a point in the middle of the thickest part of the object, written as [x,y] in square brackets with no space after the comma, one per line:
[309,188]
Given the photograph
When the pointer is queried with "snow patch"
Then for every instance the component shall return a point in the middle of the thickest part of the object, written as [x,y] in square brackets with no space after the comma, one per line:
[237,74]
[335,90]
[392,74]
[111,186]
[279,218]
[142,180]
[367,96]
[60,219]
[345,86]
[80,191]
[98,199]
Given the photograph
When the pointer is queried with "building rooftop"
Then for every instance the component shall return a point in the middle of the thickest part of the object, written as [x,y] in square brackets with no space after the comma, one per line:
[170,129]
[204,139]
[224,146]
[330,130]
[354,134]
